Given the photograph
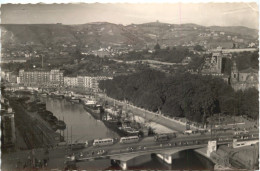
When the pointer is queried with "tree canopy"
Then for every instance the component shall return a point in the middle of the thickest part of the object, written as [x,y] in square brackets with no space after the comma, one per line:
[195,97]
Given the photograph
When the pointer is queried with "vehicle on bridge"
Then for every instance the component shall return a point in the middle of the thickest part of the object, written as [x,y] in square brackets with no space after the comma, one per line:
[130,139]
[241,132]
[78,145]
[161,137]
[188,132]
[75,145]
[103,142]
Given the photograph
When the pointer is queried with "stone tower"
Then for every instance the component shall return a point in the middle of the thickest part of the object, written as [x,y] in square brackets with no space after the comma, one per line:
[234,73]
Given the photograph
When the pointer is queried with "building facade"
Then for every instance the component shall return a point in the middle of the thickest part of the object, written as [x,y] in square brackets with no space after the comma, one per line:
[41,78]
[84,81]
[9,76]
[213,64]
[242,80]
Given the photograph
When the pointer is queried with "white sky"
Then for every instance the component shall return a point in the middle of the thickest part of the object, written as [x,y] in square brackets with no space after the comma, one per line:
[207,14]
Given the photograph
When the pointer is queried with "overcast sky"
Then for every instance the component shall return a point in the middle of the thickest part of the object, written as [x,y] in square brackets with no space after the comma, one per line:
[207,14]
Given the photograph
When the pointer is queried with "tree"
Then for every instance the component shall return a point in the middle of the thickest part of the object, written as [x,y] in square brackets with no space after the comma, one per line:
[198,48]
[157,47]
[195,97]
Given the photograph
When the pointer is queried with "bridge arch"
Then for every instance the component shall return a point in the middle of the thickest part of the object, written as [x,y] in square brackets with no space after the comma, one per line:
[165,156]
[166,152]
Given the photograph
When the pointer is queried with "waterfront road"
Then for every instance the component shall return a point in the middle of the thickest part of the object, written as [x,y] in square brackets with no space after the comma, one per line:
[150,116]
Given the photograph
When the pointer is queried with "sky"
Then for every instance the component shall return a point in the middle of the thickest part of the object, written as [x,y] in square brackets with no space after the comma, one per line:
[206,14]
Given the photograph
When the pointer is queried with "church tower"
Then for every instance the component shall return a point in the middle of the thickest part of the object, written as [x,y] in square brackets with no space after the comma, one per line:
[234,73]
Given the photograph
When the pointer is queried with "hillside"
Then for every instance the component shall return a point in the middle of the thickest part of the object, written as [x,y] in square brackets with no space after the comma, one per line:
[136,36]
[240,30]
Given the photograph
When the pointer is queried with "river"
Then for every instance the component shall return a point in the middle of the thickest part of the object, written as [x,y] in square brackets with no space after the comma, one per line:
[85,127]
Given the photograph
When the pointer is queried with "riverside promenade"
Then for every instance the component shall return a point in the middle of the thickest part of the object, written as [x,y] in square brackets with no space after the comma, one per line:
[170,123]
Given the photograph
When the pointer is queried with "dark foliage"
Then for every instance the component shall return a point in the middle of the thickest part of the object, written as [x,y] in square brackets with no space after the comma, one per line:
[157,47]
[195,97]
[198,48]
[246,60]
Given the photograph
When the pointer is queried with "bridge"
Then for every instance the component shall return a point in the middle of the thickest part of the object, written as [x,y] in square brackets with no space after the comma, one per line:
[122,153]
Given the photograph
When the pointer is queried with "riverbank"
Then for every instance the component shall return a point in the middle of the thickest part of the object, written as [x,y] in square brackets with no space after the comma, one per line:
[33,131]
[152,117]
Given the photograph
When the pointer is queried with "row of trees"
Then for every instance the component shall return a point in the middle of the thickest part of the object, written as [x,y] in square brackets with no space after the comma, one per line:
[174,54]
[183,95]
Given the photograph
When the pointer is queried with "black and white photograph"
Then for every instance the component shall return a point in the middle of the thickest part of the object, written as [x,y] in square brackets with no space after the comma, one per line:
[129,86]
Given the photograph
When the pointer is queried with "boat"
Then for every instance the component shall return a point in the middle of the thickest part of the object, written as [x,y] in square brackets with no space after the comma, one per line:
[114,126]
[93,108]
[51,119]
[57,95]
[54,127]
[94,111]
[43,94]
[60,124]
[75,99]
[67,96]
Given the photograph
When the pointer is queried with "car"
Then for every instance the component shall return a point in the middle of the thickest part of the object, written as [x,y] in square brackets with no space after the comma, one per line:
[188,132]
[139,148]
[101,152]
[129,149]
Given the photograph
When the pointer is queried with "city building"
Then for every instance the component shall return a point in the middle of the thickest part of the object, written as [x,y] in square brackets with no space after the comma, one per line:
[70,81]
[213,64]
[84,81]
[41,78]
[9,76]
[242,80]
[56,77]
[80,81]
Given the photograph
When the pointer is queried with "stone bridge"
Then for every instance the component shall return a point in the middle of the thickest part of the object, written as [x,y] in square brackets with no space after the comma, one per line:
[164,154]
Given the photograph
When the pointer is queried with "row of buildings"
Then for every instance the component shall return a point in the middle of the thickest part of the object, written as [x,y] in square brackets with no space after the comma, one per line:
[41,77]
[84,81]
[52,78]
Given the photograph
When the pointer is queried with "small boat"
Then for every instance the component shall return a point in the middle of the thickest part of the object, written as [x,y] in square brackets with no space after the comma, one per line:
[75,99]
[60,124]
[44,94]
[67,96]
[54,127]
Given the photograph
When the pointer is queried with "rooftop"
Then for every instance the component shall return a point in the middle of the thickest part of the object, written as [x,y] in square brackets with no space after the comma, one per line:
[249,70]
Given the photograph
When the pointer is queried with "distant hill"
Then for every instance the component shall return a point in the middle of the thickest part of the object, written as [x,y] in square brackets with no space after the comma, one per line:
[237,30]
[103,34]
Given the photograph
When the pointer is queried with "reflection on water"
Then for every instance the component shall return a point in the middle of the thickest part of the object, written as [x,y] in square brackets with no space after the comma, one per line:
[82,124]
